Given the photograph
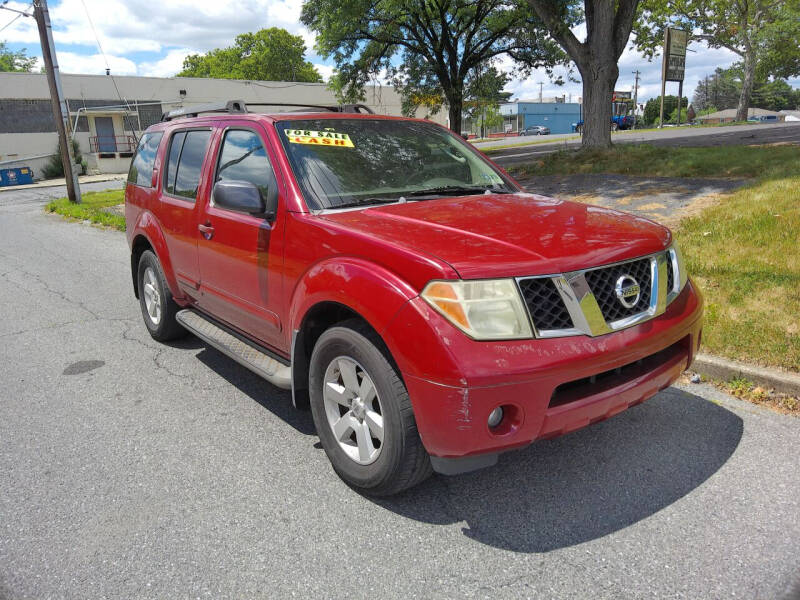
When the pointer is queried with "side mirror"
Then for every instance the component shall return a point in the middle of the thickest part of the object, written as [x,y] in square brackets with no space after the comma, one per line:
[246,197]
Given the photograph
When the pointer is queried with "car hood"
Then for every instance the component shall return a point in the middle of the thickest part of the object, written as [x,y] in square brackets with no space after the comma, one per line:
[509,235]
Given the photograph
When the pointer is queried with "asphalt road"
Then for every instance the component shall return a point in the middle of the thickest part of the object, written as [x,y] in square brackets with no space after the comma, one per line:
[129,469]
[701,136]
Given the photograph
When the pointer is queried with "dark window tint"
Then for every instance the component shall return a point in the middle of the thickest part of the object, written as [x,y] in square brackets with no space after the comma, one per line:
[243,158]
[187,179]
[141,171]
[172,164]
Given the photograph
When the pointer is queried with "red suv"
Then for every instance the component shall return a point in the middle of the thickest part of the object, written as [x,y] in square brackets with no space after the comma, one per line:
[431,312]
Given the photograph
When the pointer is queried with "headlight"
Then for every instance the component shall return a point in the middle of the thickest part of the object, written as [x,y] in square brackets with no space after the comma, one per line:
[484,310]
[678,269]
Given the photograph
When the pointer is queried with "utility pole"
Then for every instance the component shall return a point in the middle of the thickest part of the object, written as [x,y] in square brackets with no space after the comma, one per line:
[59,104]
[541,83]
[635,96]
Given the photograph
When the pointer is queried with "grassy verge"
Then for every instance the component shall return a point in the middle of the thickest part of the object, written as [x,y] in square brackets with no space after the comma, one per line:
[744,254]
[645,160]
[90,209]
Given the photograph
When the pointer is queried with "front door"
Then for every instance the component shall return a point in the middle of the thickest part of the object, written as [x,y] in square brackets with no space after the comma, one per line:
[106,142]
[241,255]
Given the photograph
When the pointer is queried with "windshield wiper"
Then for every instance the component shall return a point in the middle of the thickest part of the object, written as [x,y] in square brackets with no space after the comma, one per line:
[364,202]
[456,190]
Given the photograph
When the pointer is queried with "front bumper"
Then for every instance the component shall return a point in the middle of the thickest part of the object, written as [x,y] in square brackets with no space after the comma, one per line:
[548,387]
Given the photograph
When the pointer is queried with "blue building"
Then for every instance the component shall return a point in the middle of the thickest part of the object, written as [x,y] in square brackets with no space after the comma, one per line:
[558,116]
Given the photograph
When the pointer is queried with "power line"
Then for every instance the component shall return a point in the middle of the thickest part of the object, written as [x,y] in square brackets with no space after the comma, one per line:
[10,23]
[19,16]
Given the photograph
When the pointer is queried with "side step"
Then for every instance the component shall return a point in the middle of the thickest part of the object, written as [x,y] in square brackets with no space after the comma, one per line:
[258,362]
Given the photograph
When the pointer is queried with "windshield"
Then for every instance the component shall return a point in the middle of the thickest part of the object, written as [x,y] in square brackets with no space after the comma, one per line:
[352,162]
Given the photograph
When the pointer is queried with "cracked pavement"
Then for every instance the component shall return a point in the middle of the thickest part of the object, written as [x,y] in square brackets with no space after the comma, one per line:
[132,469]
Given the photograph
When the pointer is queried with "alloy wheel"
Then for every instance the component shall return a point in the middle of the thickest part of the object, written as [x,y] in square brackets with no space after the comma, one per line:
[353,410]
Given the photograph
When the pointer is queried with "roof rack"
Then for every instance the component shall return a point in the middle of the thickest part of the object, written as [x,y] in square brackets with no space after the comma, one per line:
[231,106]
[239,107]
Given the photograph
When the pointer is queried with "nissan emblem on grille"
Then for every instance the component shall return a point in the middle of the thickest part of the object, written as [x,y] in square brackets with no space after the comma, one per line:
[628,291]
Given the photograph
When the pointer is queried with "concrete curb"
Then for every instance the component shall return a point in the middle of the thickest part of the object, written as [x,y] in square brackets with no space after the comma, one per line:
[47,183]
[725,370]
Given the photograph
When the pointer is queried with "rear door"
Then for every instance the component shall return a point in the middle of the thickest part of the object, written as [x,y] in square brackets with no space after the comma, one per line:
[183,191]
[241,255]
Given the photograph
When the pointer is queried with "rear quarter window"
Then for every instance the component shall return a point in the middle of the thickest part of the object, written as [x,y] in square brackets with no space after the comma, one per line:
[141,171]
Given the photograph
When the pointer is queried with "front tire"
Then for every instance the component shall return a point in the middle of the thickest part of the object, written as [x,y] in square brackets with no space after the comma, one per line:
[155,300]
[363,414]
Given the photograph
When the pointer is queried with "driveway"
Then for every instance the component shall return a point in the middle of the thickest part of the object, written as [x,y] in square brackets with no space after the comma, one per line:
[664,199]
[130,469]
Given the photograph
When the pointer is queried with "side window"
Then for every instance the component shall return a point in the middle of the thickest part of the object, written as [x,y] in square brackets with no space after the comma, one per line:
[141,171]
[175,146]
[187,179]
[244,158]
[186,153]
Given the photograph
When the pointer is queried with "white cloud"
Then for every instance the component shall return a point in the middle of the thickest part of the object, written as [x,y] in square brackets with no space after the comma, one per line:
[325,70]
[168,66]
[127,26]
[94,64]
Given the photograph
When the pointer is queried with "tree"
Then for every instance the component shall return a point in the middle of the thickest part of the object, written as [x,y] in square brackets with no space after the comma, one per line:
[652,109]
[55,166]
[16,61]
[267,55]
[723,89]
[608,27]
[427,48]
[483,95]
[764,33]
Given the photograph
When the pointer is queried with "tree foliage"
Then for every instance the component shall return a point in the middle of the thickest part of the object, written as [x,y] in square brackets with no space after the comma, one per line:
[428,48]
[608,27]
[18,61]
[54,167]
[271,54]
[653,107]
[484,93]
[764,33]
[723,88]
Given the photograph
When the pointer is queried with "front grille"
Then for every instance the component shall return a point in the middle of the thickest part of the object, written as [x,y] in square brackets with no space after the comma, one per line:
[603,281]
[544,303]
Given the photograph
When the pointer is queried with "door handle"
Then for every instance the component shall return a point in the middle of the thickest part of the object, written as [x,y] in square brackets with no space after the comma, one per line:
[207,230]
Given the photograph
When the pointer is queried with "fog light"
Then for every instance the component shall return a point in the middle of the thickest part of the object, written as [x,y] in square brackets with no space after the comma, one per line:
[496,416]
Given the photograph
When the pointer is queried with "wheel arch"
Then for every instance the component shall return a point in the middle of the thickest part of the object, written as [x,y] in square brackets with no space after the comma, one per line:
[338,291]
[148,236]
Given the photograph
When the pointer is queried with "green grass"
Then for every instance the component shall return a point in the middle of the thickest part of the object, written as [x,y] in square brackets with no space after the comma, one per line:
[90,208]
[744,255]
[646,160]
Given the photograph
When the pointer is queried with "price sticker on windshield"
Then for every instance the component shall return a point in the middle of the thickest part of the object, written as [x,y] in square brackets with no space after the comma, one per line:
[319,138]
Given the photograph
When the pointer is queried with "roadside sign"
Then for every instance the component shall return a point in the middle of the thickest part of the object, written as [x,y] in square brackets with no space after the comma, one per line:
[674,64]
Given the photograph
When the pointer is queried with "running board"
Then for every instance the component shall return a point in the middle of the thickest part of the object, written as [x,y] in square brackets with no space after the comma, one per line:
[258,362]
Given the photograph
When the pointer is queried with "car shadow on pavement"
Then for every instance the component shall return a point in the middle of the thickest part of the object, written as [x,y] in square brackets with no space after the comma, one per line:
[587,484]
[277,401]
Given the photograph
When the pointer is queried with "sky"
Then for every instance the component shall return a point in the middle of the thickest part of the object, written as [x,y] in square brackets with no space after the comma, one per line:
[142,37]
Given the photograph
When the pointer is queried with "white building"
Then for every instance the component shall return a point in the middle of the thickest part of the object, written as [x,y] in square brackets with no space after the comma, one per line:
[106,112]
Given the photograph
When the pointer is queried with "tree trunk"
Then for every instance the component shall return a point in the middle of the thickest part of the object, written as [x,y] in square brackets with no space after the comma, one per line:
[598,87]
[456,104]
[747,86]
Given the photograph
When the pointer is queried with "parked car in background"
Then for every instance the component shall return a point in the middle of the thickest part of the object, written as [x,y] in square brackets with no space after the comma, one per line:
[535,130]
[430,312]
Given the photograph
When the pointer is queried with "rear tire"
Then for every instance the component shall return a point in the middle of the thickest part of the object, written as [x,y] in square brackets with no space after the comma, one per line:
[155,300]
[372,442]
